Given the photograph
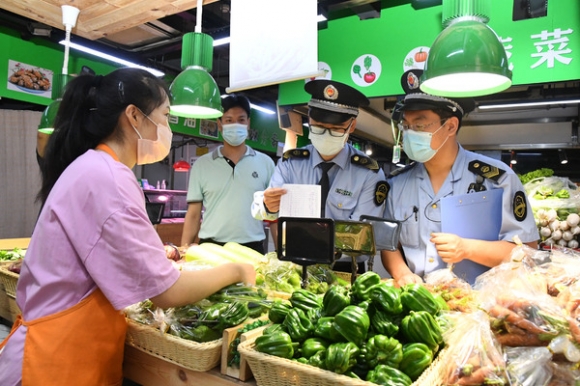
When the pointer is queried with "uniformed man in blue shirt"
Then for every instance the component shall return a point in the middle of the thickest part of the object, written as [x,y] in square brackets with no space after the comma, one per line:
[442,168]
[357,183]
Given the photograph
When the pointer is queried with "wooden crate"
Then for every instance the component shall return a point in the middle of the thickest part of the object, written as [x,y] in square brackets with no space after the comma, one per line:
[243,373]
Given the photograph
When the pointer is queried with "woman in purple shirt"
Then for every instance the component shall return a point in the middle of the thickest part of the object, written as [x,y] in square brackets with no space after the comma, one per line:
[94,251]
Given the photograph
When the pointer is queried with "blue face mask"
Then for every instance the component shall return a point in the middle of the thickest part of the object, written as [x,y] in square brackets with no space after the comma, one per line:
[417,145]
[235,133]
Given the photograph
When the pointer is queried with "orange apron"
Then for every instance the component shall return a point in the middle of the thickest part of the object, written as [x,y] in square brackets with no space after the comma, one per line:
[82,345]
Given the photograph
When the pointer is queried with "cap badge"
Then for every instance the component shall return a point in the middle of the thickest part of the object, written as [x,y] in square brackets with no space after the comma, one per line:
[330,92]
[412,81]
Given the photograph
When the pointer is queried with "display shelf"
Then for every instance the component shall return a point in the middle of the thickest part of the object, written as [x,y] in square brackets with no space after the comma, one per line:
[148,370]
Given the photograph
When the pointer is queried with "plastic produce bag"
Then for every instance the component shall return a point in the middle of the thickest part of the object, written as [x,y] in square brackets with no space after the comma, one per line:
[456,292]
[529,366]
[473,357]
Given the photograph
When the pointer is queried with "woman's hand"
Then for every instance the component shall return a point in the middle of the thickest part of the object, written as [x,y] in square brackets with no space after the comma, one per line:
[247,273]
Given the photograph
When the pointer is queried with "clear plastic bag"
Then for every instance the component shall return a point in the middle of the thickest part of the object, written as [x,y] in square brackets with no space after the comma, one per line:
[456,292]
[529,366]
[474,357]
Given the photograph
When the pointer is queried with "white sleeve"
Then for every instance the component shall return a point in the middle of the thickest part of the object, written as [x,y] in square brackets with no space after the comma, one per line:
[259,209]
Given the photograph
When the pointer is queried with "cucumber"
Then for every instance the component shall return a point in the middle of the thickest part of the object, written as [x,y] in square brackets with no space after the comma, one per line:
[197,253]
[248,252]
[227,254]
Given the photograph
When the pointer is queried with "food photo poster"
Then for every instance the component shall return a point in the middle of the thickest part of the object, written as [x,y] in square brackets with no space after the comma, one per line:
[29,79]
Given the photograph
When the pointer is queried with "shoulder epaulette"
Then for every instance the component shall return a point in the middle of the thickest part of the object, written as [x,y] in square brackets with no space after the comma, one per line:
[296,154]
[365,162]
[485,170]
[402,170]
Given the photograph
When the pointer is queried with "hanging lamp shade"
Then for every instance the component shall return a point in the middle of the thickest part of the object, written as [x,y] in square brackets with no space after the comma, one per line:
[194,91]
[181,166]
[467,59]
[48,117]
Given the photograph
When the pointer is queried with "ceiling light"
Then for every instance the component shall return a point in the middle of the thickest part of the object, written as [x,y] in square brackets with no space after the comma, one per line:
[513,159]
[368,149]
[529,104]
[563,156]
[195,93]
[39,29]
[467,59]
[256,107]
[221,42]
[111,58]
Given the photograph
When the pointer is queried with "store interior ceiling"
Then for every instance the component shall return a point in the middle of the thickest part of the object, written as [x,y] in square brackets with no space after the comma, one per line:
[150,33]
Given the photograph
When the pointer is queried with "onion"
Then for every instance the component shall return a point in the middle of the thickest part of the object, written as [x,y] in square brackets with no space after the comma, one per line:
[555,225]
[545,232]
[544,222]
[541,213]
[573,244]
[552,214]
[573,219]
[562,243]
[564,226]
[557,235]
[575,230]
[567,235]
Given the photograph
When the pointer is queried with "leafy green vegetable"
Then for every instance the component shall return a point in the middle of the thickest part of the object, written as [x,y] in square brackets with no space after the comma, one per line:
[563,193]
[14,254]
[356,69]
[543,172]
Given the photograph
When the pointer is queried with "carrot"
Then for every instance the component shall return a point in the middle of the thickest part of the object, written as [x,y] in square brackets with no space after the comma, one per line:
[478,377]
[514,304]
[517,340]
[574,329]
[515,319]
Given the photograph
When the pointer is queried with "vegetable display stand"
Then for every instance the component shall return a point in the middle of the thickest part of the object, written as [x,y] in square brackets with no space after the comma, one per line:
[270,370]
[8,307]
[243,372]
[185,353]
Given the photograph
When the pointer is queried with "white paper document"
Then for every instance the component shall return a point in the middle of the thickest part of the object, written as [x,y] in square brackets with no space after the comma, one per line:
[300,201]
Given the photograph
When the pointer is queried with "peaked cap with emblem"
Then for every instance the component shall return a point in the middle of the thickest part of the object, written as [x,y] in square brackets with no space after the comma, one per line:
[333,102]
[417,100]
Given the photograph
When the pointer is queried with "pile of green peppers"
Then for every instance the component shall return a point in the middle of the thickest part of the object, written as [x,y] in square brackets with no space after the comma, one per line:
[372,331]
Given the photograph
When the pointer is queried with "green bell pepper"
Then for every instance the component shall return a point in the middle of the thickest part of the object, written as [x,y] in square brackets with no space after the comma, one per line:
[274,328]
[385,324]
[324,329]
[335,300]
[416,358]
[353,323]
[415,297]
[298,325]
[314,314]
[318,360]
[384,350]
[363,285]
[388,376]
[199,334]
[312,345]
[421,327]
[211,314]
[362,367]
[387,298]
[235,314]
[305,300]
[278,311]
[278,344]
[341,357]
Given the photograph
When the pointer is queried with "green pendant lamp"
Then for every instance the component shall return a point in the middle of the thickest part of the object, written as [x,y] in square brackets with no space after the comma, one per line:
[48,117]
[467,59]
[195,93]
[59,81]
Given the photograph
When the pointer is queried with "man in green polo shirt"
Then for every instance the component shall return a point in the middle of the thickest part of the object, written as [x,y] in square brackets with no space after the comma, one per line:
[223,183]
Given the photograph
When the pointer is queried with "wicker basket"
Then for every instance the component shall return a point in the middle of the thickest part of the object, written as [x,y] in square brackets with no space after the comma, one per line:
[182,352]
[270,370]
[9,279]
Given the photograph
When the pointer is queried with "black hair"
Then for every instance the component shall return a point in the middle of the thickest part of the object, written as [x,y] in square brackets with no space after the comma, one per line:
[235,100]
[89,113]
[445,114]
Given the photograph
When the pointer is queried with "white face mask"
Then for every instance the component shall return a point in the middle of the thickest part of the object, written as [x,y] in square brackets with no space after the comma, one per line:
[149,151]
[235,133]
[326,144]
[417,145]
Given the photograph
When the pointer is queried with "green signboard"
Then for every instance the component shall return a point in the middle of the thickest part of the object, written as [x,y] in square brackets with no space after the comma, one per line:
[22,61]
[372,54]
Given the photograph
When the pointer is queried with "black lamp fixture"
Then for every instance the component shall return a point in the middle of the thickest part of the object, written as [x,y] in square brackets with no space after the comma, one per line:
[563,156]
